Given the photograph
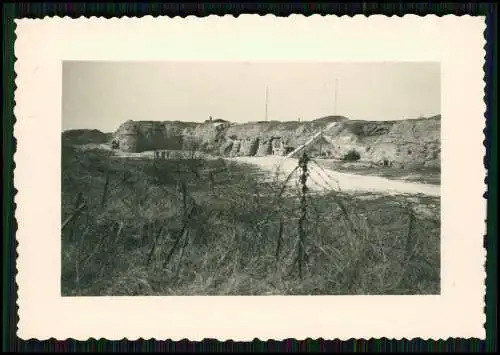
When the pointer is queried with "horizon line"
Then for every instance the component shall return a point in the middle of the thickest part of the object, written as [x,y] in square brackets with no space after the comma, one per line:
[263,121]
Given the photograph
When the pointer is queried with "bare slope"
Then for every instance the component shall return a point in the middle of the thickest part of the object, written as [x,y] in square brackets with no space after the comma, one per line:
[413,142]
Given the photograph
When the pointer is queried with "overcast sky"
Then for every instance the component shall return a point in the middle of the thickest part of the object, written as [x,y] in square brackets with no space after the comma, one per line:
[102,95]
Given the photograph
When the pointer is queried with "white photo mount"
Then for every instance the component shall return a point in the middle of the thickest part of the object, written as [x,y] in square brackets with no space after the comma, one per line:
[457,42]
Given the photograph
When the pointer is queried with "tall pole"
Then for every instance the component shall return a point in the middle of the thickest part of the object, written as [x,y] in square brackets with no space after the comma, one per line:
[267,98]
[336,90]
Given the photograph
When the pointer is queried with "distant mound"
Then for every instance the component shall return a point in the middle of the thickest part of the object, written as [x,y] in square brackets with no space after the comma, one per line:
[409,142]
[85,136]
[330,119]
[217,120]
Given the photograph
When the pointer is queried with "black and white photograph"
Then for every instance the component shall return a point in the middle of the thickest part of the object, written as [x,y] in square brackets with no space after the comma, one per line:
[222,177]
[199,178]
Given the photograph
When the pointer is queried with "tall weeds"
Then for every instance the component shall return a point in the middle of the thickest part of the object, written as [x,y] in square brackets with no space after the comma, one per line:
[195,226]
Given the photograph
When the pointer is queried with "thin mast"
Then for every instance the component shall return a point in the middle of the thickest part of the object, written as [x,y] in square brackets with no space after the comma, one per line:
[336,90]
[267,98]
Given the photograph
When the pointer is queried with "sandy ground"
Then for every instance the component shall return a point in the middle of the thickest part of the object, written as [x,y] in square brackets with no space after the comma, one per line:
[324,179]
[327,179]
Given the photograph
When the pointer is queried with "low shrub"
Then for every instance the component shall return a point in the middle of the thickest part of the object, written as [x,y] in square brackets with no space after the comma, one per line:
[351,155]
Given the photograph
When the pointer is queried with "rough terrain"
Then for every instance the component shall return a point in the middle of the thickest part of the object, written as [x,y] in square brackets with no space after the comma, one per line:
[410,143]
[182,227]
[396,151]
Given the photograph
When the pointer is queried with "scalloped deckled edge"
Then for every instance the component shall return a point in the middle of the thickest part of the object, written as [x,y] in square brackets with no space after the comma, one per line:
[183,19]
[207,17]
[487,113]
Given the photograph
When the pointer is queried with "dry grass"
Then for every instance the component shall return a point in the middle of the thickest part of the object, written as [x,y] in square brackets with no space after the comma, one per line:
[195,227]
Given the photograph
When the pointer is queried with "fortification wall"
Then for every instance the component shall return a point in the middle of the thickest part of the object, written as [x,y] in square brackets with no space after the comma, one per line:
[408,142]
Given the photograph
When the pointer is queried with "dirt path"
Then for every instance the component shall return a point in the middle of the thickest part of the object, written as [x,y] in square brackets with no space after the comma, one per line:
[326,179]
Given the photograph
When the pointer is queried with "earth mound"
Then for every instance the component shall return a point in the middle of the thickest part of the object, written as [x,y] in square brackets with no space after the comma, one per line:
[85,136]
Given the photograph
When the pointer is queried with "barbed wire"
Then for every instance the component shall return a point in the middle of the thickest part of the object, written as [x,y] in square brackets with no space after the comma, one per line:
[327,173]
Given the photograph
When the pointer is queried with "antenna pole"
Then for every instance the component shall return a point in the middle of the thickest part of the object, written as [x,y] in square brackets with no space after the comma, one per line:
[336,91]
[267,98]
